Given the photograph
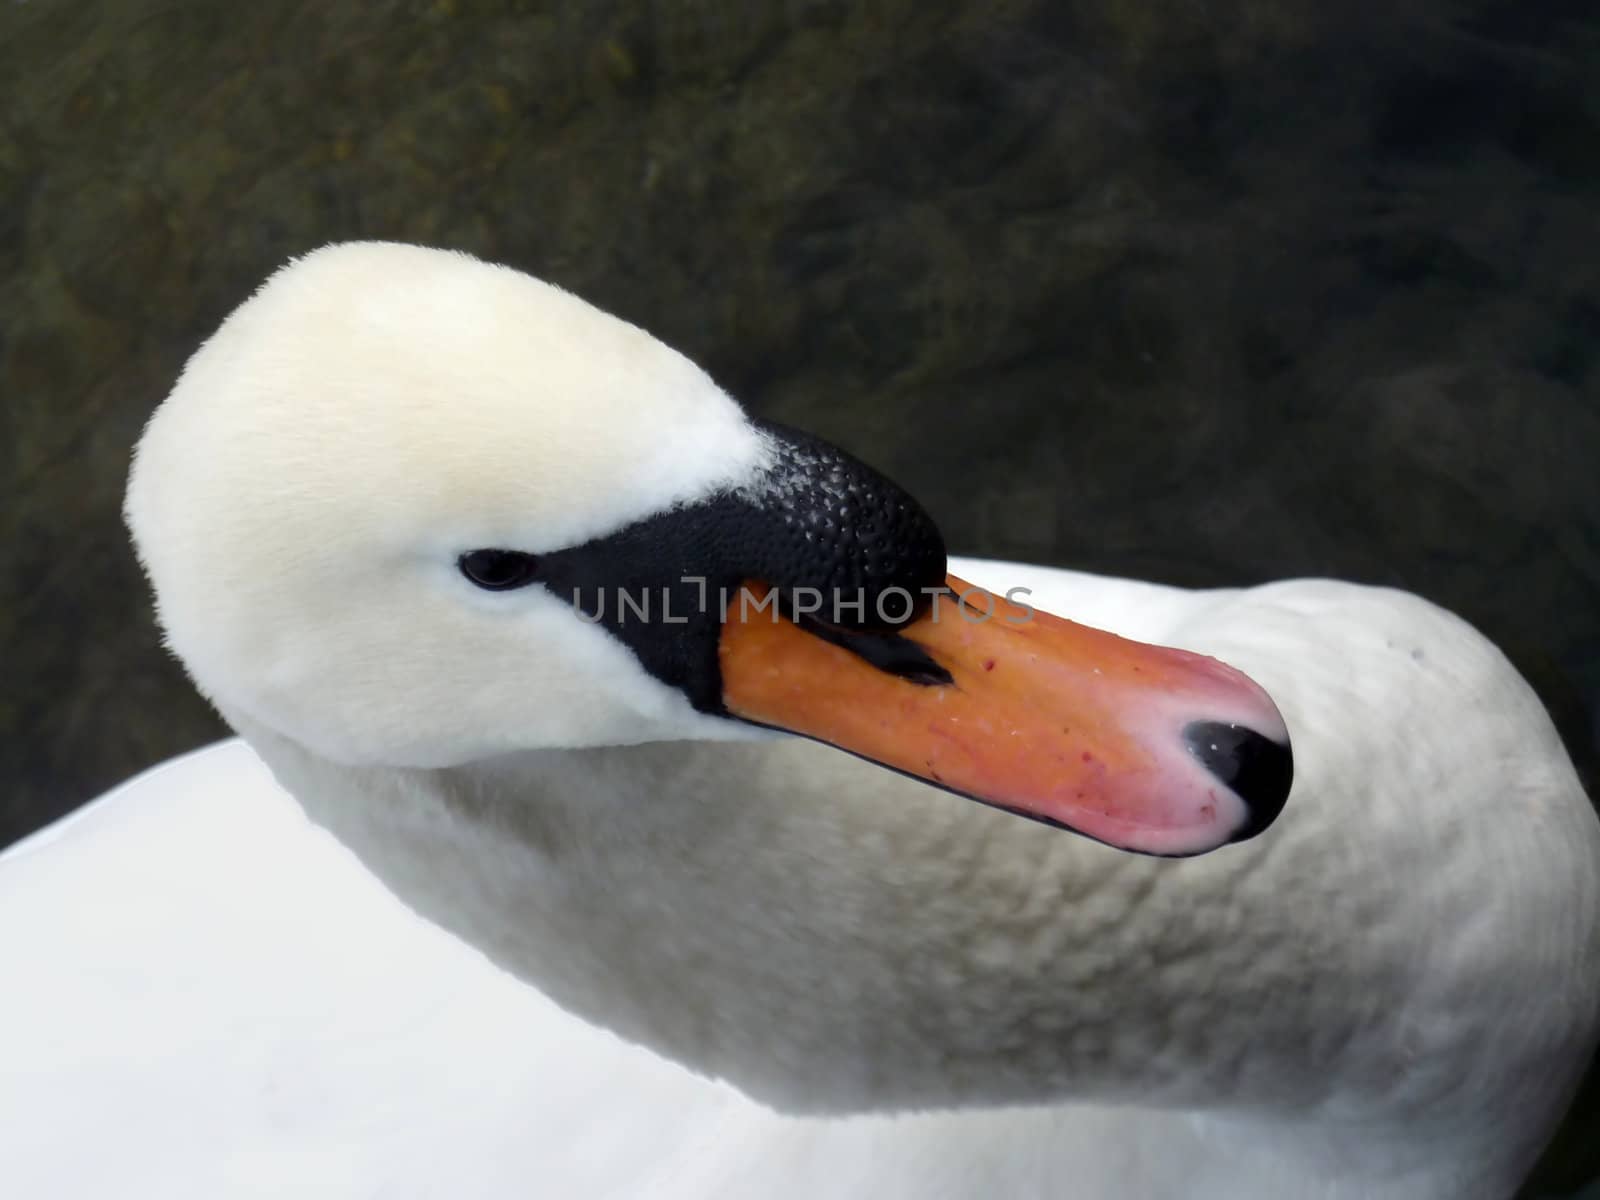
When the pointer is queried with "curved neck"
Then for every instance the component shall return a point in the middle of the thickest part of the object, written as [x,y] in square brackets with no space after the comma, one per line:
[855,942]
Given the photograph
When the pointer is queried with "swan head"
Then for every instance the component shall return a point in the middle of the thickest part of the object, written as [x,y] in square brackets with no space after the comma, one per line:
[407,508]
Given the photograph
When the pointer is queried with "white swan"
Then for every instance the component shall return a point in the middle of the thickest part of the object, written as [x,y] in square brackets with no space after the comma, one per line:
[1389,993]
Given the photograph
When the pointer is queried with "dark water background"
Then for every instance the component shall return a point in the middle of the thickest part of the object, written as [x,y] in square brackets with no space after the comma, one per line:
[1203,292]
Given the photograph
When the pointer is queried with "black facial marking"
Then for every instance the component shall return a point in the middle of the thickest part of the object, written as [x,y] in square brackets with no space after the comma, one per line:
[889,652]
[815,519]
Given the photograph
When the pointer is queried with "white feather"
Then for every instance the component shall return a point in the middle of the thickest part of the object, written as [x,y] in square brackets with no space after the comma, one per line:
[1389,994]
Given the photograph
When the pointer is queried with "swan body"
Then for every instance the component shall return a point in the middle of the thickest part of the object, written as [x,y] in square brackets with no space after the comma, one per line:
[826,977]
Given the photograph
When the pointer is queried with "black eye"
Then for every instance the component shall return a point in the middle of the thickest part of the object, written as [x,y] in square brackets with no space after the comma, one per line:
[498,570]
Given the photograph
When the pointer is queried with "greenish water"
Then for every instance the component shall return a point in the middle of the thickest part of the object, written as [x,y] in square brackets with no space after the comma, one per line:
[1202,293]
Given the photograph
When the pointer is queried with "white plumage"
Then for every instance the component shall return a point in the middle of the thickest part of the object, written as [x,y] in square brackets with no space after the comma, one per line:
[1389,993]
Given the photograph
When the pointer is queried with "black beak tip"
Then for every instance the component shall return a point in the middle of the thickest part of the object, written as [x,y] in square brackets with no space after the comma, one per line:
[1257,769]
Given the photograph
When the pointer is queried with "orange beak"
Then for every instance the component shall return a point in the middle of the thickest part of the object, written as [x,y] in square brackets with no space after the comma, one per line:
[1142,747]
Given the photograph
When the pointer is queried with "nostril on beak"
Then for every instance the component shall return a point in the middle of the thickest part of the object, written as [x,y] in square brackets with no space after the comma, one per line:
[1258,769]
